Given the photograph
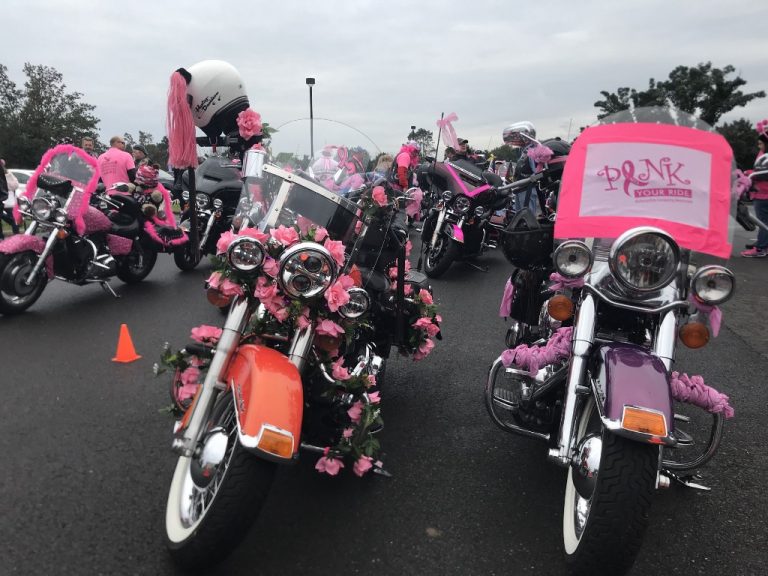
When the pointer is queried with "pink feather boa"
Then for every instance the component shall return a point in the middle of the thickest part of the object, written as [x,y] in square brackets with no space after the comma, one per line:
[80,200]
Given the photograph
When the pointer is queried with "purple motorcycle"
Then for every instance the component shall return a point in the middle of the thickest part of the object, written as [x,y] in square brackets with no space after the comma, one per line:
[589,365]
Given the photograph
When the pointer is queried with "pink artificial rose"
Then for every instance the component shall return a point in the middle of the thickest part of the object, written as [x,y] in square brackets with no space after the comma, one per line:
[336,296]
[425,296]
[407,289]
[303,320]
[286,236]
[190,376]
[271,267]
[371,381]
[329,328]
[336,248]
[362,465]
[330,466]
[427,325]
[224,241]
[214,280]
[424,350]
[255,233]
[304,225]
[346,281]
[438,318]
[379,196]
[321,234]
[356,412]
[229,288]
[339,372]
[205,333]
[249,123]
[281,314]
[374,397]
[348,432]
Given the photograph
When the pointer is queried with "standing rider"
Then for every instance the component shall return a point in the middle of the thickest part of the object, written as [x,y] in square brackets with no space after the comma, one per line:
[405,163]
[522,135]
[116,165]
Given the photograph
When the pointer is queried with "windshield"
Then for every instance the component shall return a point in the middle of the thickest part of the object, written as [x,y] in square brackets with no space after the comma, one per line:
[70,164]
[649,167]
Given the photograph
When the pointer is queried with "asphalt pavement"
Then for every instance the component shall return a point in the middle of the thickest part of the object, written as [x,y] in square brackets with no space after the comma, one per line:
[86,450]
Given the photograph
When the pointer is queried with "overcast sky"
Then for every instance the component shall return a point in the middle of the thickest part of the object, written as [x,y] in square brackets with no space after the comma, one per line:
[384,66]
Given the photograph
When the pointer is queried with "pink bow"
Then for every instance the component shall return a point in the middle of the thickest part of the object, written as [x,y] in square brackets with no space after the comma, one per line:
[559,282]
[714,314]
[446,129]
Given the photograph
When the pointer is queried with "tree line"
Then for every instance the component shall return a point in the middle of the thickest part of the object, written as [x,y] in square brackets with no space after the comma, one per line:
[36,115]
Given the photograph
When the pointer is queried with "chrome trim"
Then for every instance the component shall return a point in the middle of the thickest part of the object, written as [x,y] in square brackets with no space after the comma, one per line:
[313,186]
[666,339]
[722,270]
[664,308]
[49,244]
[630,235]
[251,443]
[574,243]
[301,346]
[438,228]
[208,226]
[253,163]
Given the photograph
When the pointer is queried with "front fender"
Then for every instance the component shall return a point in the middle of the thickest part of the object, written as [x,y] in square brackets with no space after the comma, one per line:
[454,231]
[269,400]
[23,242]
[630,376]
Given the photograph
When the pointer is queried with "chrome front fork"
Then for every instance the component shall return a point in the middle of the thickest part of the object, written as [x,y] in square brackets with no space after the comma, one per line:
[438,228]
[50,243]
[583,338]
[237,320]
[208,226]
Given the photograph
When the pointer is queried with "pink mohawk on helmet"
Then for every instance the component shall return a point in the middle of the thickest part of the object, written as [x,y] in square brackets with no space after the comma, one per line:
[182,144]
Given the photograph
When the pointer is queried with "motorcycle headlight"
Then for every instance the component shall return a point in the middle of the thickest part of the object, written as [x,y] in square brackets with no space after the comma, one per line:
[713,284]
[24,204]
[217,203]
[245,254]
[573,259]
[461,204]
[447,195]
[479,211]
[644,259]
[60,215]
[359,303]
[43,208]
[307,270]
[202,201]
[185,195]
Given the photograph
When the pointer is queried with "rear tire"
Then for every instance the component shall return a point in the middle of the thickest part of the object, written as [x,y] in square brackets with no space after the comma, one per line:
[603,534]
[136,265]
[15,296]
[438,260]
[220,513]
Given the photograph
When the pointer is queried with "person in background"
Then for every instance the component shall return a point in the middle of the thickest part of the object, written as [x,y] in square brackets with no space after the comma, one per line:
[11,185]
[140,155]
[116,165]
[449,154]
[405,164]
[759,195]
[522,135]
[383,165]
[462,152]
[87,144]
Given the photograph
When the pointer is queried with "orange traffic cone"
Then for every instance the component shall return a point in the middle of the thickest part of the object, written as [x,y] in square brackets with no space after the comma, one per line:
[125,350]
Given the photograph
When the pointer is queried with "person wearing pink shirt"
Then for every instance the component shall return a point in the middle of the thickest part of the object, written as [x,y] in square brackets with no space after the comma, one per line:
[116,165]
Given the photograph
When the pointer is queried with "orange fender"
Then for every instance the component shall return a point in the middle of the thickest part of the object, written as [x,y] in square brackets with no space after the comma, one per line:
[269,400]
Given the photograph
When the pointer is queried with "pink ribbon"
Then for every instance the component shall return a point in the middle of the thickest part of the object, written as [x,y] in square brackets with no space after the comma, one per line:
[506,299]
[560,282]
[532,358]
[447,130]
[342,154]
[692,390]
[713,313]
[743,183]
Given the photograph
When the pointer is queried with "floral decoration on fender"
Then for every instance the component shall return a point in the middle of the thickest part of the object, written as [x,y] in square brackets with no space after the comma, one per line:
[356,444]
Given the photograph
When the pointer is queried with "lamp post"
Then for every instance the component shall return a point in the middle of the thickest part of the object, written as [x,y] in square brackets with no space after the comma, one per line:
[412,135]
[310,83]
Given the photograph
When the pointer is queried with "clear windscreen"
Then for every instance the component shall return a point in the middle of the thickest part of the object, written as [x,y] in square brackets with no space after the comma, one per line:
[71,166]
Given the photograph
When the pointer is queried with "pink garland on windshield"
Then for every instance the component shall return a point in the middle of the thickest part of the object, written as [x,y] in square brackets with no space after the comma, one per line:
[692,390]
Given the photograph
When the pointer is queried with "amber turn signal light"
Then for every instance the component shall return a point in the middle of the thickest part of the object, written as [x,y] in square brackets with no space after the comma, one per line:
[644,421]
[694,334]
[275,441]
[218,299]
[560,307]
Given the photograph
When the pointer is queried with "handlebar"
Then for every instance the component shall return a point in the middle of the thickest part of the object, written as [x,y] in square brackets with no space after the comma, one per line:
[522,184]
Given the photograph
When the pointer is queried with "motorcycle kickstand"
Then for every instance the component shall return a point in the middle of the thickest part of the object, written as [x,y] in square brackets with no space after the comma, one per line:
[108,288]
[687,480]
[477,266]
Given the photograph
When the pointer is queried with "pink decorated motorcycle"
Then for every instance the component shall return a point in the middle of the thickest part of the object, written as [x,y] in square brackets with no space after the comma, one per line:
[589,365]
[68,238]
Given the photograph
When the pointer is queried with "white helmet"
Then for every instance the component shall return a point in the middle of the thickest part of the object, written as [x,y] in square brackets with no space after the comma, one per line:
[519,133]
[216,95]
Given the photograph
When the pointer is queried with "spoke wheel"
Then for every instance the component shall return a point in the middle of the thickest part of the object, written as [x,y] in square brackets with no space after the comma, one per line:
[439,258]
[15,295]
[136,265]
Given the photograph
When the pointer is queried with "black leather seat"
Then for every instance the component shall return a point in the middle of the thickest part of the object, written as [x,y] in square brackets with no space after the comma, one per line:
[60,186]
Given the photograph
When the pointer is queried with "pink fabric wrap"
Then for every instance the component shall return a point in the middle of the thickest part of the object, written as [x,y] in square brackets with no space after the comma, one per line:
[713,313]
[95,221]
[21,243]
[182,144]
[560,282]
[118,245]
[692,390]
[80,202]
[445,124]
[506,299]
[742,185]
[413,206]
[540,154]
[532,358]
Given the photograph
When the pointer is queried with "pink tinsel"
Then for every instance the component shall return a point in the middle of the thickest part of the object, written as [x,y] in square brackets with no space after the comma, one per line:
[540,154]
[560,282]
[532,358]
[692,390]
[182,144]
[506,300]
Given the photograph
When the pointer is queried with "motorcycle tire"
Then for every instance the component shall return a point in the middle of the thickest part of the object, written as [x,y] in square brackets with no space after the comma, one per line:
[226,506]
[184,259]
[437,262]
[603,533]
[15,296]
[136,265]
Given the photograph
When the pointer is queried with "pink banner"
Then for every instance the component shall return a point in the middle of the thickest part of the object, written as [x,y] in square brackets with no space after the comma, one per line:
[620,176]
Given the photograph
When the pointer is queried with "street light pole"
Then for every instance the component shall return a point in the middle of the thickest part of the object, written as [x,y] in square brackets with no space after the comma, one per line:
[310,83]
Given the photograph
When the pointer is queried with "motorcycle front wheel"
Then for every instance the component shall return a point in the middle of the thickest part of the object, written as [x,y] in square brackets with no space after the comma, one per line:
[15,295]
[606,508]
[136,265]
[209,511]
[184,258]
[440,258]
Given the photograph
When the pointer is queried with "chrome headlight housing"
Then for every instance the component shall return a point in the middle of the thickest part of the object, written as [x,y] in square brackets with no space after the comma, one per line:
[217,203]
[359,303]
[24,204]
[185,195]
[573,259]
[713,284]
[43,208]
[202,201]
[245,254]
[307,270]
[447,195]
[644,259]
[461,204]
[60,215]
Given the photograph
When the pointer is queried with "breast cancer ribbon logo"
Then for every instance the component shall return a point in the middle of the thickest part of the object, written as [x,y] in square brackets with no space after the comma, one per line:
[628,174]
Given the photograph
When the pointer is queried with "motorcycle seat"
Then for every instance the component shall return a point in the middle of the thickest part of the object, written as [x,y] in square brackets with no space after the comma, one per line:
[60,186]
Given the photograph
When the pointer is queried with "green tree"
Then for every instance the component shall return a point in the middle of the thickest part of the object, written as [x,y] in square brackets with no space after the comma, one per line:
[41,113]
[701,90]
[506,153]
[742,137]
[424,138]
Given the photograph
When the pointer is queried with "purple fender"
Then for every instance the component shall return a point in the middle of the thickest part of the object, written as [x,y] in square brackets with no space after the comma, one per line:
[457,233]
[632,376]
